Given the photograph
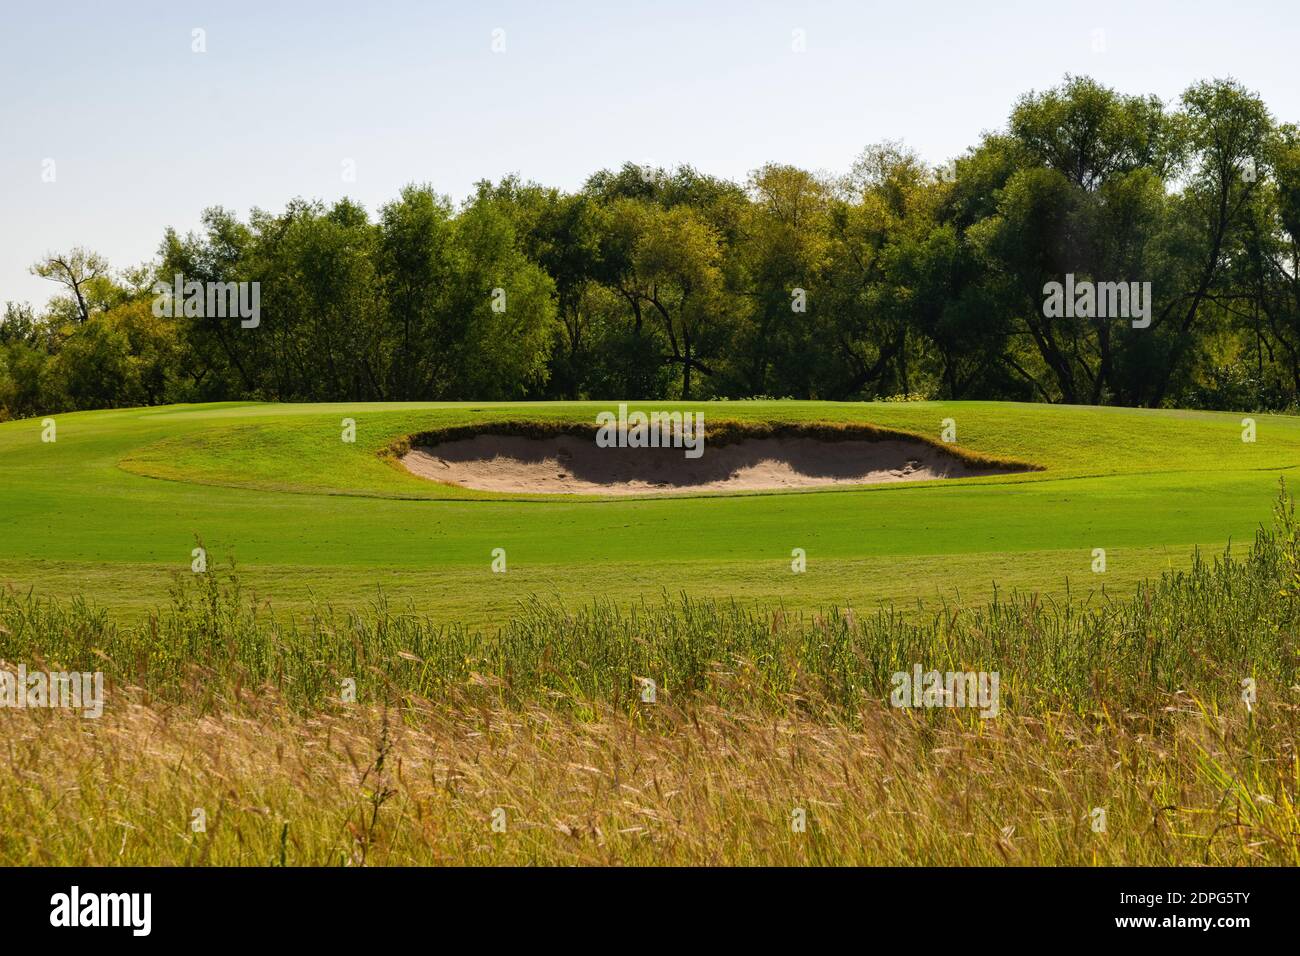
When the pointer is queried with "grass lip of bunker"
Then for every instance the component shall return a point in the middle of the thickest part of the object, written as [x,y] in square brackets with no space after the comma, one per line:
[548,457]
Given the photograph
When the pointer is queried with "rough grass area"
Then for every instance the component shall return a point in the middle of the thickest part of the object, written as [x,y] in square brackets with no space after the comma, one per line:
[1130,706]
[353,786]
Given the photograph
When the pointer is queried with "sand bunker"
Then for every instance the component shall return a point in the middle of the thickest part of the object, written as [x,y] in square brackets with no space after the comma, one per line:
[567,464]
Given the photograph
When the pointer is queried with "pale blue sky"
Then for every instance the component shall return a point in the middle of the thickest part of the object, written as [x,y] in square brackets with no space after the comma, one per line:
[145,134]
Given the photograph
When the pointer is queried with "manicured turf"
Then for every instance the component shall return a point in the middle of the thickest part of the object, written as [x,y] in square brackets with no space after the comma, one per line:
[112,509]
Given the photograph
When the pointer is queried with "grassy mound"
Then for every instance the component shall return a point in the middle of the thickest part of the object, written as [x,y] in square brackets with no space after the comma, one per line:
[112,507]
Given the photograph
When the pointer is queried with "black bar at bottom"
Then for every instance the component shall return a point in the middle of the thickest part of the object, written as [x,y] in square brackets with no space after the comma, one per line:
[333,906]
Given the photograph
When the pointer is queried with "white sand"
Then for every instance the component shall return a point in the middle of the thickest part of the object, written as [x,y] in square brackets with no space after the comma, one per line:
[571,465]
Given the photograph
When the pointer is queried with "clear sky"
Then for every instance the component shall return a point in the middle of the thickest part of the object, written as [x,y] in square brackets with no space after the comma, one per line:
[145,133]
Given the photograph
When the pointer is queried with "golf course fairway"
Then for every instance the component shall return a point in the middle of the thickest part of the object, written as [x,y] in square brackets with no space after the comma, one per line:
[113,507]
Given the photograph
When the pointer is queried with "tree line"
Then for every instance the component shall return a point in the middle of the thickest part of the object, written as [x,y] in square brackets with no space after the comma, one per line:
[896,280]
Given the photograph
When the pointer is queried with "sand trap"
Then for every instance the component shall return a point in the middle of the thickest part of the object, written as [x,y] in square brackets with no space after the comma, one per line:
[568,464]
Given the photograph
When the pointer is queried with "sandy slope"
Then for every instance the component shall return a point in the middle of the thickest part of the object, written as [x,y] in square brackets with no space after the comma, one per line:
[570,465]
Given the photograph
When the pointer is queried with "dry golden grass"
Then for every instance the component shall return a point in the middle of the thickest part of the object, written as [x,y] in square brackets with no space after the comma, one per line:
[354,785]
[1134,709]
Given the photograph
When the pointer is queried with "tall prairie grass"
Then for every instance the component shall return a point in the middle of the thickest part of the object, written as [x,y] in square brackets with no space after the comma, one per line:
[1131,707]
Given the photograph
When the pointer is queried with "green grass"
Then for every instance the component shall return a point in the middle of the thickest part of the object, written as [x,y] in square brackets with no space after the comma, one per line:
[1198,631]
[112,508]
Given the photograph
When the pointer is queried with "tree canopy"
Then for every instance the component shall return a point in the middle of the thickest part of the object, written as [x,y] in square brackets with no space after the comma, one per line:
[895,280]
